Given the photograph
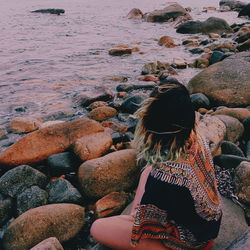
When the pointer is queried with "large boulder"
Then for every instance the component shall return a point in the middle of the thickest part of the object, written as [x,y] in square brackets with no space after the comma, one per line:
[213,129]
[170,12]
[42,143]
[114,172]
[225,83]
[211,25]
[62,221]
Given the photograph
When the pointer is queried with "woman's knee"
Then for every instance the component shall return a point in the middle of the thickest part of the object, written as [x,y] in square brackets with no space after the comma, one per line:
[96,229]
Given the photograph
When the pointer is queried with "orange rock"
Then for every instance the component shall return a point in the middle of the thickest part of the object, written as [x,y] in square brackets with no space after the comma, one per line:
[102,113]
[24,124]
[111,204]
[149,78]
[115,126]
[96,104]
[38,145]
[92,146]
[120,52]
[167,41]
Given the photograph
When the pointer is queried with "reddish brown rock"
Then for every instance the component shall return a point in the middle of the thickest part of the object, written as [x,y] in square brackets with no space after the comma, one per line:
[120,51]
[24,124]
[114,172]
[149,78]
[167,41]
[102,113]
[135,14]
[238,113]
[93,145]
[62,221]
[111,204]
[115,126]
[42,143]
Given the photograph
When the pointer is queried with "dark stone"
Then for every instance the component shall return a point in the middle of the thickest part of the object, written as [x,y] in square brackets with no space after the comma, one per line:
[233,4]
[211,25]
[243,37]
[246,124]
[62,163]
[118,137]
[6,209]
[216,56]
[244,46]
[97,94]
[50,11]
[199,100]
[229,161]
[242,243]
[248,149]
[131,104]
[245,11]
[230,148]
[130,87]
[196,51]
[205,42]
[32,197]
[62,191]
[16,180]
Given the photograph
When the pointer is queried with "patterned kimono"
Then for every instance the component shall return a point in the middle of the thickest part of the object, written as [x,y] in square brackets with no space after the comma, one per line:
[181,203]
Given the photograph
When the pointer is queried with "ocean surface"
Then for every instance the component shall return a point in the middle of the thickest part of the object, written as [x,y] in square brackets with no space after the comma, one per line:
[47,59]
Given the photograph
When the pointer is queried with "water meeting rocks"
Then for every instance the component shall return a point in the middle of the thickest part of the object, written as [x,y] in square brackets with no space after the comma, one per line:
[42,143]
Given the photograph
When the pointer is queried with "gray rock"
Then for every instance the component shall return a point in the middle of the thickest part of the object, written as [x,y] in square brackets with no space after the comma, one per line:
[62,191]
[199,100]
[230,148]
[245,11]
[242,182]
[6,210]
[211,25]
[241,243]
[131,104]
[229,161]
[62,163]
[223,84]
[32,197]
[16,180]
[216,56]
[233,225]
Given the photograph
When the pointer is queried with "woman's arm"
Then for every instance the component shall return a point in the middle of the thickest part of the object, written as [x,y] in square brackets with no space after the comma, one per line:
[140,190]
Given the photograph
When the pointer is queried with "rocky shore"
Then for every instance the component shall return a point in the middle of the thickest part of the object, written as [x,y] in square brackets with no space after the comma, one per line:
[60,172]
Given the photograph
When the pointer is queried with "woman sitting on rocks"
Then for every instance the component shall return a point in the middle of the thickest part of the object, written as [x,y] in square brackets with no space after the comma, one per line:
[177,204]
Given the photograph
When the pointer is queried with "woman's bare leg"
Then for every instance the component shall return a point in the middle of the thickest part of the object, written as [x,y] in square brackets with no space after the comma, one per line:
[115,232]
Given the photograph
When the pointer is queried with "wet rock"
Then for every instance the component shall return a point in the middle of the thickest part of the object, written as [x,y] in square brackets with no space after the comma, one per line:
[49,123]
[96,104]
[62,221]
[62,191]
[152,68]
[244,37]
[130,87]
[111,204]
[50,11]
[62,163]
[92,146]
[51,243]
[131,104]
[229,161]
[211,25]
[115,126]
[120,137]
[59,114]
[135,14]
[238,113]
[242,243]
[24,124]
[245,11]
[114,172]
[244,46]
[216,56]
[167,41]
[230,148]
[199,100]
[222,83]
[196,51]
[242,182]
[42,143]
[120,51]
[102,113]
[246,124]
[97,94]
[170,12]
[234,128]
[149,78]
[16,180]
[6,209]
[232,4]
[179,63]
[30,198]
[213,129]
[201,63]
